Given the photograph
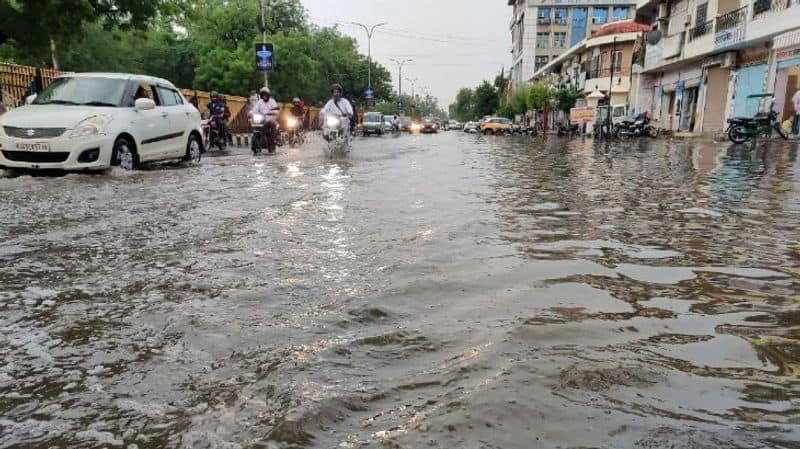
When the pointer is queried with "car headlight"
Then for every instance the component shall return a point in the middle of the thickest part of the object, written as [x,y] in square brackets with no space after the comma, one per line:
[332,122]
[258,118]
[91,126]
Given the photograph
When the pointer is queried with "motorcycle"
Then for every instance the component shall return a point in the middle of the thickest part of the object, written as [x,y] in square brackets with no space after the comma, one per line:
[742,129]
[636,128]
[338,138]
[261,138]
[216,133]
[293,135]
[571,129]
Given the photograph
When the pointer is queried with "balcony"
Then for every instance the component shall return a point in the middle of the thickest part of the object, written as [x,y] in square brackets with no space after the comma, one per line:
[607,72]
[730,28]
[763,8]
[701,30]
[543,21]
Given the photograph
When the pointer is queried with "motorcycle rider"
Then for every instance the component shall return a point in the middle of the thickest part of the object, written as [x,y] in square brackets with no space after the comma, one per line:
[268,107]
[338,106]
[219,113]
[395,124]
[299,111]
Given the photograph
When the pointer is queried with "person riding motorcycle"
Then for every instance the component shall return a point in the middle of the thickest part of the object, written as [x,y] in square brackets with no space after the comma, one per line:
[339,107]
[268,107]
[299,111]
[395,124]
[219,113]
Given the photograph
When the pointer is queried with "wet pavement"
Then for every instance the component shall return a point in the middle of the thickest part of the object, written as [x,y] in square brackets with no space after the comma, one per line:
[443,291]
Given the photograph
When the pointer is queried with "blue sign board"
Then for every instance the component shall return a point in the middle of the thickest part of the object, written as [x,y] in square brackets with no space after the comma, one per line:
[265,57]
[369,94]
[399,105]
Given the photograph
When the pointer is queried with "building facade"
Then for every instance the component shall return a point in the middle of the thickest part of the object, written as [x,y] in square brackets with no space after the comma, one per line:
[541,30]
[705,59]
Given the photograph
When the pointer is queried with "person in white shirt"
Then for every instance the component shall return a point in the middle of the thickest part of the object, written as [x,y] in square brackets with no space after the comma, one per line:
[268,107]
[339,107]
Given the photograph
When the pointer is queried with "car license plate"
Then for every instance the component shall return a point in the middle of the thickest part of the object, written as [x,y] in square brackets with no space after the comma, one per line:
[33,146]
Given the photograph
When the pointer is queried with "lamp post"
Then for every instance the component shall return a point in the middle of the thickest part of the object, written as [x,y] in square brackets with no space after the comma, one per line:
[400,64]
[369,31]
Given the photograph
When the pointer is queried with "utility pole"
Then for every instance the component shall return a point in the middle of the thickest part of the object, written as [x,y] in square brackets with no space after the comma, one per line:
[400,75]
[264,35]
[413,85]
[369,48]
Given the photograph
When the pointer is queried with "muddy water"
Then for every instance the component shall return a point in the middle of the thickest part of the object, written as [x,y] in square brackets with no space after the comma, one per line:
[436,291]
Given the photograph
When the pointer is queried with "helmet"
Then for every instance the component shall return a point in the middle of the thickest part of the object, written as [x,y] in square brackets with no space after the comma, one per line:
[337,87]
[214,93]
[264,90]
[295,100]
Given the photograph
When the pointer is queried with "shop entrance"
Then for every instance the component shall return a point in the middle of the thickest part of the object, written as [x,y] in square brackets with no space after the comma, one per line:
[716,98]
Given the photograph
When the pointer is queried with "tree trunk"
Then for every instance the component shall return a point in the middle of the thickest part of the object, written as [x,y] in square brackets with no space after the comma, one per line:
[53,53]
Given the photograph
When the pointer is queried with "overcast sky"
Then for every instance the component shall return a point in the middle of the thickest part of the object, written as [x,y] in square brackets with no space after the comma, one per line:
[454,43]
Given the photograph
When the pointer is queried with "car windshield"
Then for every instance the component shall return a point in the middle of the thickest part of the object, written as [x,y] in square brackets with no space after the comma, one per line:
[83,91]
[373,117]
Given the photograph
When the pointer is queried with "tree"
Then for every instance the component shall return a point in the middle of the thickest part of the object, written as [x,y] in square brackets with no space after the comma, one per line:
[566,98]
[538,96]
[37,28]
[518,103]
[486,101]
[463,108]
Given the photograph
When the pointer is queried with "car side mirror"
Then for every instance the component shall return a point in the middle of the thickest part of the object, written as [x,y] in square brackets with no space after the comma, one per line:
[30,98]
[144,104]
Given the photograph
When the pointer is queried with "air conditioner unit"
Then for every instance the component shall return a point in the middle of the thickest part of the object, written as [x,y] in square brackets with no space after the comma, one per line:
[728,60]
[663,11]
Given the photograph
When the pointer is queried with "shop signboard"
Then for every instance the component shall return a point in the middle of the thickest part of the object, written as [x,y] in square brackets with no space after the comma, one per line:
[582,115]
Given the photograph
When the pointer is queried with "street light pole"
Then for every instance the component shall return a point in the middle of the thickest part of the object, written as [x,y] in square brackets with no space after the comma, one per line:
[264,35]
[369,49]
[413,85]
[400,75]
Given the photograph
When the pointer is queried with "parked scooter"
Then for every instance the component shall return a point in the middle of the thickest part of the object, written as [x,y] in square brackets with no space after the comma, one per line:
[639,127]
[742,129]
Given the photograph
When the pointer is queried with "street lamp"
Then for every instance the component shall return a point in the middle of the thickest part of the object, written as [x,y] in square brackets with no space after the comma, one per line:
[369,49]
[400,74]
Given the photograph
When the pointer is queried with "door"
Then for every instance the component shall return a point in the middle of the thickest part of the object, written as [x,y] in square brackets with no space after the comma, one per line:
[178,115]
[716,98]
[688,108]
[150,127]
[749,80]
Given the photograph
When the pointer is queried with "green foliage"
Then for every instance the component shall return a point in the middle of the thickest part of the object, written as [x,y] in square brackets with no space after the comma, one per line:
[505,110]
[518,103]
[486,101]
[566,98]
[538,96]
[464,108]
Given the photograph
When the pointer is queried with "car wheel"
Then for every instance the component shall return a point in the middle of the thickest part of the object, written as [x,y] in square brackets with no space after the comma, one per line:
[193,150]
[124,154]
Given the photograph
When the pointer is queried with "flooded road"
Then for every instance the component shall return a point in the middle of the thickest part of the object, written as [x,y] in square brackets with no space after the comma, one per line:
[444,291]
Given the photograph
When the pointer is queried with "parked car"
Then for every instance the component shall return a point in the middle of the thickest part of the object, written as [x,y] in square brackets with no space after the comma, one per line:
[92,121]
[429,127]
[453,124]
[496,125]
[373,124]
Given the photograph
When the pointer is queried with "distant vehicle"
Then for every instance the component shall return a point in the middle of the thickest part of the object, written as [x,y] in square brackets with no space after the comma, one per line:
[429,127]
[373,124]
[92,121]
[496,125]
[471,127]
[453,124]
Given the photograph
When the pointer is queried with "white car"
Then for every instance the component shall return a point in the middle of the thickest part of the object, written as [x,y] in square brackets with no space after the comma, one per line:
[92,121]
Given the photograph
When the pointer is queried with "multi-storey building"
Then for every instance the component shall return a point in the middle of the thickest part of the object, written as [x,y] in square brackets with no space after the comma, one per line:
[705,58]
[541,30]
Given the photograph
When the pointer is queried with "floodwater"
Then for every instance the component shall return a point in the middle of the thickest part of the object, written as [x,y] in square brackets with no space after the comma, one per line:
[443,291]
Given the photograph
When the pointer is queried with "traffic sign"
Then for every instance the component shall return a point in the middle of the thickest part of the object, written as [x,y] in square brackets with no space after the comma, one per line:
[265,59]
[369,94]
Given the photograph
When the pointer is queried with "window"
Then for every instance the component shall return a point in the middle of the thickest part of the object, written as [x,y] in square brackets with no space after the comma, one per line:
[169,97]
[541,61]
[560,16]
[617,61]
[604,64]
[542,40]
[560,39]
[82,90]
[599,16]
[544,16]
[702,14]
[145,91]
[619,13]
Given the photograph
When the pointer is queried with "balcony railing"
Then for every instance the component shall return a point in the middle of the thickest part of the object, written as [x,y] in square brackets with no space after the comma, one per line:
[543,21]
[607,72]
[701,30]
[730,28]
[763,8]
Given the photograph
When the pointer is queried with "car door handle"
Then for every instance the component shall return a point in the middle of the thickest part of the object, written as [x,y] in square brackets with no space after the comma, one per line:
[164,114]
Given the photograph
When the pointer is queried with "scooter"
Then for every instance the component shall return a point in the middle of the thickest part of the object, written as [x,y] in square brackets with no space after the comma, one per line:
[263,138]
[742,129]
[636,128]
[338,139]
